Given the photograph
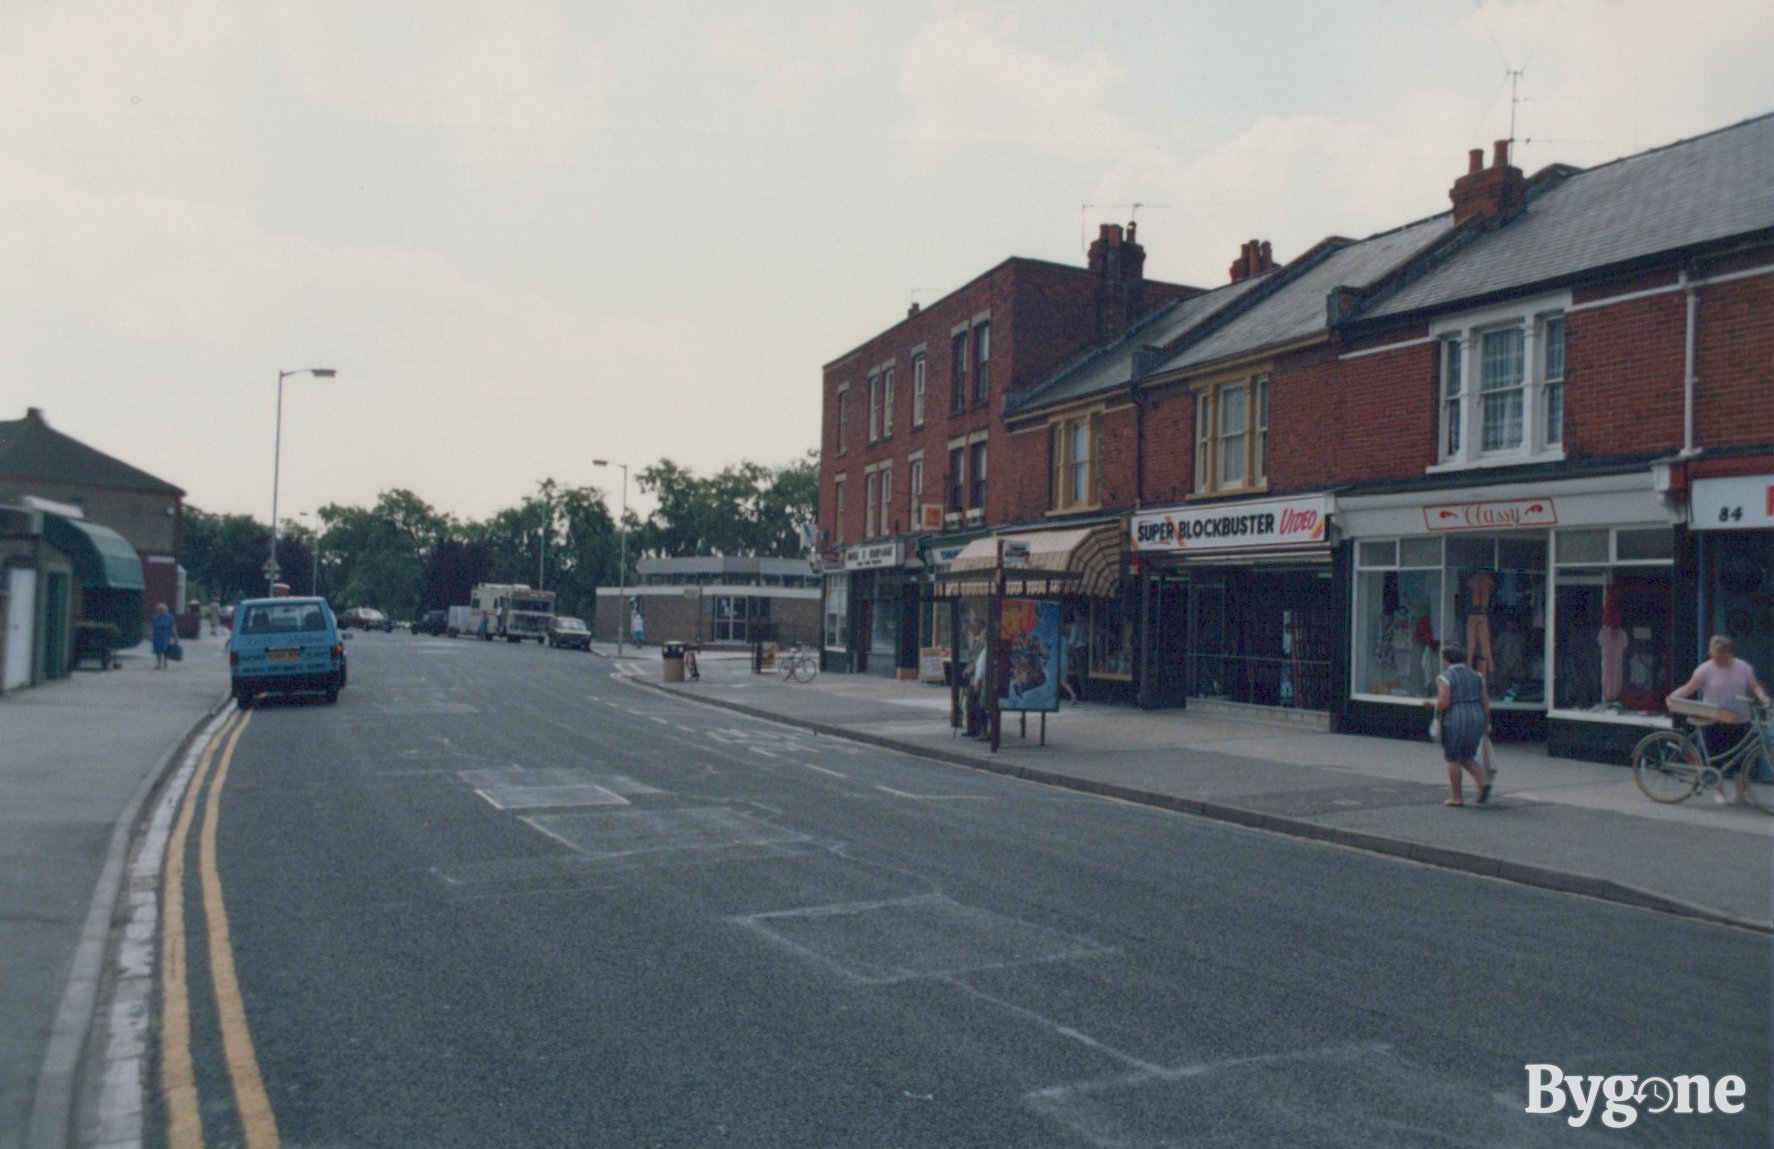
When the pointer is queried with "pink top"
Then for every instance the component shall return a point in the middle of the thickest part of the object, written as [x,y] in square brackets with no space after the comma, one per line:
[1726,686]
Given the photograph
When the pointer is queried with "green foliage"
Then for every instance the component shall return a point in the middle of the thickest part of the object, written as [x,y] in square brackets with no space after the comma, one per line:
[402,556]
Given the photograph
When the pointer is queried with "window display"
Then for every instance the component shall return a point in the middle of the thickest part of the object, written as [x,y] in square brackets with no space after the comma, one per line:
[1484,593]
[1615,622]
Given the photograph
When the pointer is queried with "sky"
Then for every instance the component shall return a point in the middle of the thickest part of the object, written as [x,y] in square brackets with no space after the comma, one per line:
[532,234]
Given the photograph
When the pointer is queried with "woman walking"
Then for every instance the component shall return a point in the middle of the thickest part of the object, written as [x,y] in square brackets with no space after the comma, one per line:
[1464,703]
[162,625]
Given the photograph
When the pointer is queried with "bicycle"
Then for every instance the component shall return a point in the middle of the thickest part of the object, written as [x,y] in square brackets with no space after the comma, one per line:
[1672,766]
[798,664]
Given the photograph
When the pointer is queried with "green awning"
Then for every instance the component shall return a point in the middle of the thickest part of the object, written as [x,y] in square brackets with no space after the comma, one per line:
[101,556]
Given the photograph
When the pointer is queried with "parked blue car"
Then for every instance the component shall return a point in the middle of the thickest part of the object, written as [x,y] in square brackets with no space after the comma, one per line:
[285,645]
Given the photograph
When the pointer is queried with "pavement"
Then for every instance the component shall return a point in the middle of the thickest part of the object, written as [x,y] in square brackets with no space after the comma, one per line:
[79,759]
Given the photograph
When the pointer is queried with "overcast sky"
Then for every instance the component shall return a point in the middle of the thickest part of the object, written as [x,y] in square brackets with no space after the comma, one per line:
[529,234]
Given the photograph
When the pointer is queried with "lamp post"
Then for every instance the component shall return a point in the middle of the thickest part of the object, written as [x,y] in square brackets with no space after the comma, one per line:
[622,564]
[271,568]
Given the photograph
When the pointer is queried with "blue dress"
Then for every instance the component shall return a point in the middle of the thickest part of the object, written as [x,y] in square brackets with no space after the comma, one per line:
[162,624]
[1463,725]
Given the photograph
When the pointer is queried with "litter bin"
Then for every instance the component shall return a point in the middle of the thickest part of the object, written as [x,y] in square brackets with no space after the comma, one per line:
[671,655]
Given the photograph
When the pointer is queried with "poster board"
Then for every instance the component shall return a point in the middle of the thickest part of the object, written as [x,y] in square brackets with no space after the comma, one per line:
[933,663]
[1029,631]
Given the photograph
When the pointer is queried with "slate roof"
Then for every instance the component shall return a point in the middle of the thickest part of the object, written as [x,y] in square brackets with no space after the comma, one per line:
[31,449]
[1686,195]
[1107,368]
[1297,308]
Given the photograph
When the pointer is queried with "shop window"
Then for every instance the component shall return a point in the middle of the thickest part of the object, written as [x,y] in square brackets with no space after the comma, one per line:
[1111,640]
[1502,385]
[837,611]
[1613,643]
[1486,594]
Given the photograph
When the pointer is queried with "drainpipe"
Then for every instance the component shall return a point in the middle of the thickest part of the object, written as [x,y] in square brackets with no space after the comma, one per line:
[1690,383]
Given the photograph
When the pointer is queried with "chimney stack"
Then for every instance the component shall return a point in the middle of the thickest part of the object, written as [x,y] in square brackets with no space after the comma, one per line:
[1498,192]
[1254,258]
[1120,267]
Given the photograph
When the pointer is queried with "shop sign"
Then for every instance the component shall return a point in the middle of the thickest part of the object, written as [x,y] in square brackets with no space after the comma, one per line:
[872,556]
[1233,526]
[1739,504]
[830,559]
[1504,515]
[943,556]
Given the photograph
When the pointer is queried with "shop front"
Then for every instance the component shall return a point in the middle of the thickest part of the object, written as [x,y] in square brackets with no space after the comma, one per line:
[1732,526]
[1237,605]
[1564,594]
[871,610]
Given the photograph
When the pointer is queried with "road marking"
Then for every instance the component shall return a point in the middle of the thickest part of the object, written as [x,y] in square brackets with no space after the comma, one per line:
[761,753]
[823,770]
[178,1077]
[257,1121]
[932,797]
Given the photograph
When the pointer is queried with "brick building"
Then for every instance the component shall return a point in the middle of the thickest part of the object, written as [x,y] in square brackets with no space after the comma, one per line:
[913,454]
[1540,424]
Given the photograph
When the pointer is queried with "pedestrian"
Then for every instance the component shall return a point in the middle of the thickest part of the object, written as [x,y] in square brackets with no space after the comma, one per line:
[214,610]
[162,630]
[973,673]
[1727,681]
[480,628]
[638,626]
[1463,702]
[1072,650]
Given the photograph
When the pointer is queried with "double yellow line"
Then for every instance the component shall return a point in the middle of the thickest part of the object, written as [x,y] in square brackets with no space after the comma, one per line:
[178,1077]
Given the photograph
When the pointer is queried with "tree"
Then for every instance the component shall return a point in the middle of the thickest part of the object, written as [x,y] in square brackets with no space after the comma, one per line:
[224,555]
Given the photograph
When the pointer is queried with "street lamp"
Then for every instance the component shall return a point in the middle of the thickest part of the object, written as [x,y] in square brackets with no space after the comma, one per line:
[271,568]
[622,563]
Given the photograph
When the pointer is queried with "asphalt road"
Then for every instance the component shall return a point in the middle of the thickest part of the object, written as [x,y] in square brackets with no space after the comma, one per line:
[495,897]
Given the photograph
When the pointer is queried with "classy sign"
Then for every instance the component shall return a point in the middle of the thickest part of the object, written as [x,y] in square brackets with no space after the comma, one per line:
[1498,516]
[1228,526]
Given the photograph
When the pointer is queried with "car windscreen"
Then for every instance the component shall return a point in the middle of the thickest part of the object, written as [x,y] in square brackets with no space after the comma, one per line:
[281,618]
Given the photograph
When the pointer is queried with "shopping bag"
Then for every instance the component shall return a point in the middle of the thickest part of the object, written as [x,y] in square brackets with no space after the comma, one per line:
[174,652]
[1487,757]
[1435,726]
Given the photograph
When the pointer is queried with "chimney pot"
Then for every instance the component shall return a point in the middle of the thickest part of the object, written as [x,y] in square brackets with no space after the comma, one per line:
[1475,161]
[1500,154]
[912,310]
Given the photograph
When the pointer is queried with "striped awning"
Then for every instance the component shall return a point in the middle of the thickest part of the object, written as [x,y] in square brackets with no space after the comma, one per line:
[1064,561]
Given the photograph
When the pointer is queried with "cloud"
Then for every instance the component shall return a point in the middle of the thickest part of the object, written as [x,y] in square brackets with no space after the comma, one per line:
[972,84]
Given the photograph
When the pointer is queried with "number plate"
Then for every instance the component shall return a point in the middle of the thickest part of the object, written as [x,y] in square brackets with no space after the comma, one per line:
[282,655]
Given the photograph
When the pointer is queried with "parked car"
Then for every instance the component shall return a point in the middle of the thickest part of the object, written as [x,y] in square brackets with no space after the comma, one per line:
[285,645]
[431,622]
[365,618]
[565,630]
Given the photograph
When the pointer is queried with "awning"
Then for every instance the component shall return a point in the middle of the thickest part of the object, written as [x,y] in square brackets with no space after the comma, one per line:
[1071,560]
[101,556]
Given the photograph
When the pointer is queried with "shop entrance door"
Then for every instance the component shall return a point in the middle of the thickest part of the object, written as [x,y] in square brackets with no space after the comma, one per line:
[1165,653]
[1209,673]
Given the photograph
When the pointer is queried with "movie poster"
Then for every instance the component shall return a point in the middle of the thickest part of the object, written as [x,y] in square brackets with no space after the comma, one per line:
[1029,629]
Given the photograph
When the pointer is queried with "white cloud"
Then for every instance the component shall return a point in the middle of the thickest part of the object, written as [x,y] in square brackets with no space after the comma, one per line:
[972,84]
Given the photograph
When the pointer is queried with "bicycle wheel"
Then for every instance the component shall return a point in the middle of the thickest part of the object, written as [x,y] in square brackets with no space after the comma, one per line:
[806,667]
[1755,782]
[1666,766]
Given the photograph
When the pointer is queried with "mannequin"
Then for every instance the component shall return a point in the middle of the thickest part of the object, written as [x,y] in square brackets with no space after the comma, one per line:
[1478,621]
[1612,640]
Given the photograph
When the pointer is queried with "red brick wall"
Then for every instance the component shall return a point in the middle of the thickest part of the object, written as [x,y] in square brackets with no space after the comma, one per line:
[1735,363]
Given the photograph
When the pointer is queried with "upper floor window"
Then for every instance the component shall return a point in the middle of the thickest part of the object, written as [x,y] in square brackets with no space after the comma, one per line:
[915,491]
[1231,435]
[874,407]
[838,509]
[977,474]
[843,418]
[870,494]
[918,377]
[958,372]
[888,526]
[886,402]
[1502,377]
[1077,462]
[957,500]
[982,361]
